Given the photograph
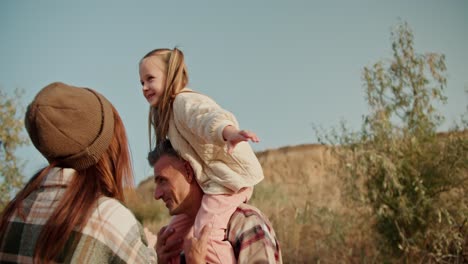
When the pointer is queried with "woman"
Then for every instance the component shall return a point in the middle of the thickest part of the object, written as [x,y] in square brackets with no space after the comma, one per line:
[71,211]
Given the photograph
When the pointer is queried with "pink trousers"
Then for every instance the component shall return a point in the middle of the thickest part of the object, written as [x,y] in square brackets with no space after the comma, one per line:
[215,211]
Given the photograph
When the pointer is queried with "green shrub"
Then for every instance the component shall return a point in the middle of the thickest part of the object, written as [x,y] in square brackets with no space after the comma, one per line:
[414,179]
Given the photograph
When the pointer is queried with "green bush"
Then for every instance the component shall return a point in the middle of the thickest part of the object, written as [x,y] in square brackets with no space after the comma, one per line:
[11,138]
[413,178]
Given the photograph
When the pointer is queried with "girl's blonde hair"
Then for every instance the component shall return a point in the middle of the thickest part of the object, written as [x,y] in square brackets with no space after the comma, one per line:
[176,80]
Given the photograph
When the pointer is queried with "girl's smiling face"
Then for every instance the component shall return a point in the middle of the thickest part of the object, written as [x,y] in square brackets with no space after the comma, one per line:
[153,79]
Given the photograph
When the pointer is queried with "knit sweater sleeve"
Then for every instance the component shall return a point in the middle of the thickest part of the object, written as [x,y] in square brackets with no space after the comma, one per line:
[202,117]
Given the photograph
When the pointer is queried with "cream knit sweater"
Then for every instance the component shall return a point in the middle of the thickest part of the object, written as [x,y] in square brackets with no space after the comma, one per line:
[195,131]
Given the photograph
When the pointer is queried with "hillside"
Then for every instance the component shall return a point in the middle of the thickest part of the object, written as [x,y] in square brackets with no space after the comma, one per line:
[302,172]
[302,195]
[291,166]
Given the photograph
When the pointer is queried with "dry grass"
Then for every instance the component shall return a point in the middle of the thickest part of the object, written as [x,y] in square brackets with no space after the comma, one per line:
[301,196]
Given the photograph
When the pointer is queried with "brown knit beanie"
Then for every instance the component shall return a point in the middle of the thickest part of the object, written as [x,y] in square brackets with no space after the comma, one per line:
[70,125]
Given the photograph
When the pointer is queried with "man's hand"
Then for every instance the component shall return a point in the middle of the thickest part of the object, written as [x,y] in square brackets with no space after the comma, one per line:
[195,249]
[233,136]
[167,250]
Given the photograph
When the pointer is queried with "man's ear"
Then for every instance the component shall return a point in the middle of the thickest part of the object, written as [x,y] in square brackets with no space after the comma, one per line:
[189,171]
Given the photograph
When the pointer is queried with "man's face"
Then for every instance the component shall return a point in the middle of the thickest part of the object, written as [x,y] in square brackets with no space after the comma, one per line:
[170,176]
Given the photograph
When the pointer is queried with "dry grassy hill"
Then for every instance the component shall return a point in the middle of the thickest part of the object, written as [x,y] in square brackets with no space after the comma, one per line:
[291,167]
[304,171]
[302,195]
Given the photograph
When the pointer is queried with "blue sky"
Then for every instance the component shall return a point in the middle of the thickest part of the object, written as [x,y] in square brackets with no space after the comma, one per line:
[279,66]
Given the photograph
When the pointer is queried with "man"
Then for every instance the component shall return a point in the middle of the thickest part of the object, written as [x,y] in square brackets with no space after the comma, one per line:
[249,232]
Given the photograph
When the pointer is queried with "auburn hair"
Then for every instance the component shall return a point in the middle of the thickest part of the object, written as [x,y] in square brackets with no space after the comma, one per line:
[176,80]
[108,177]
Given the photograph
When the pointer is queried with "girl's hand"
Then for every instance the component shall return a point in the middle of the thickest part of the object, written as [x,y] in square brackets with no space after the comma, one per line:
[233,136]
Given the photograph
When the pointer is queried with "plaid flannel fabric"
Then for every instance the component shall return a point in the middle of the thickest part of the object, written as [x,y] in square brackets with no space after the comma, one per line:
[252,236]
[111,235]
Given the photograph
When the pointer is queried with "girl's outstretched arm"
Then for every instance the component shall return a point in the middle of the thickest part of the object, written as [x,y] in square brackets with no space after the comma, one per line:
[233,136]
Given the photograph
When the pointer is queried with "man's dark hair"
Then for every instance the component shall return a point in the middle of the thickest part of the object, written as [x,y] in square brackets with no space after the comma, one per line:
[163,148]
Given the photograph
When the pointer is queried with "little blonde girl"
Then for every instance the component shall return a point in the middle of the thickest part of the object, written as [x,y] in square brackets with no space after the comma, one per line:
[208,137]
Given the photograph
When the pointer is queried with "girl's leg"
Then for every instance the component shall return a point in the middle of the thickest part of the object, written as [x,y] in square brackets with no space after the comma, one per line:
[216,210]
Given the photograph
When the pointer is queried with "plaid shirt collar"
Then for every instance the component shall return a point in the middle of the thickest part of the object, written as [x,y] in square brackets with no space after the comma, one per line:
[58,177]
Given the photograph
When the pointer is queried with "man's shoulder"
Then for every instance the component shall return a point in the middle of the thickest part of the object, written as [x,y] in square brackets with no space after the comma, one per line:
[247,217]
[252,236]
[247,211]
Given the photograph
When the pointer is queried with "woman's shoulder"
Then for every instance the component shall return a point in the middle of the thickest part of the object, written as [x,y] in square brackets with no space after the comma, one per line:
[113,231]
[113,211]
[111,222]
[114,215]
